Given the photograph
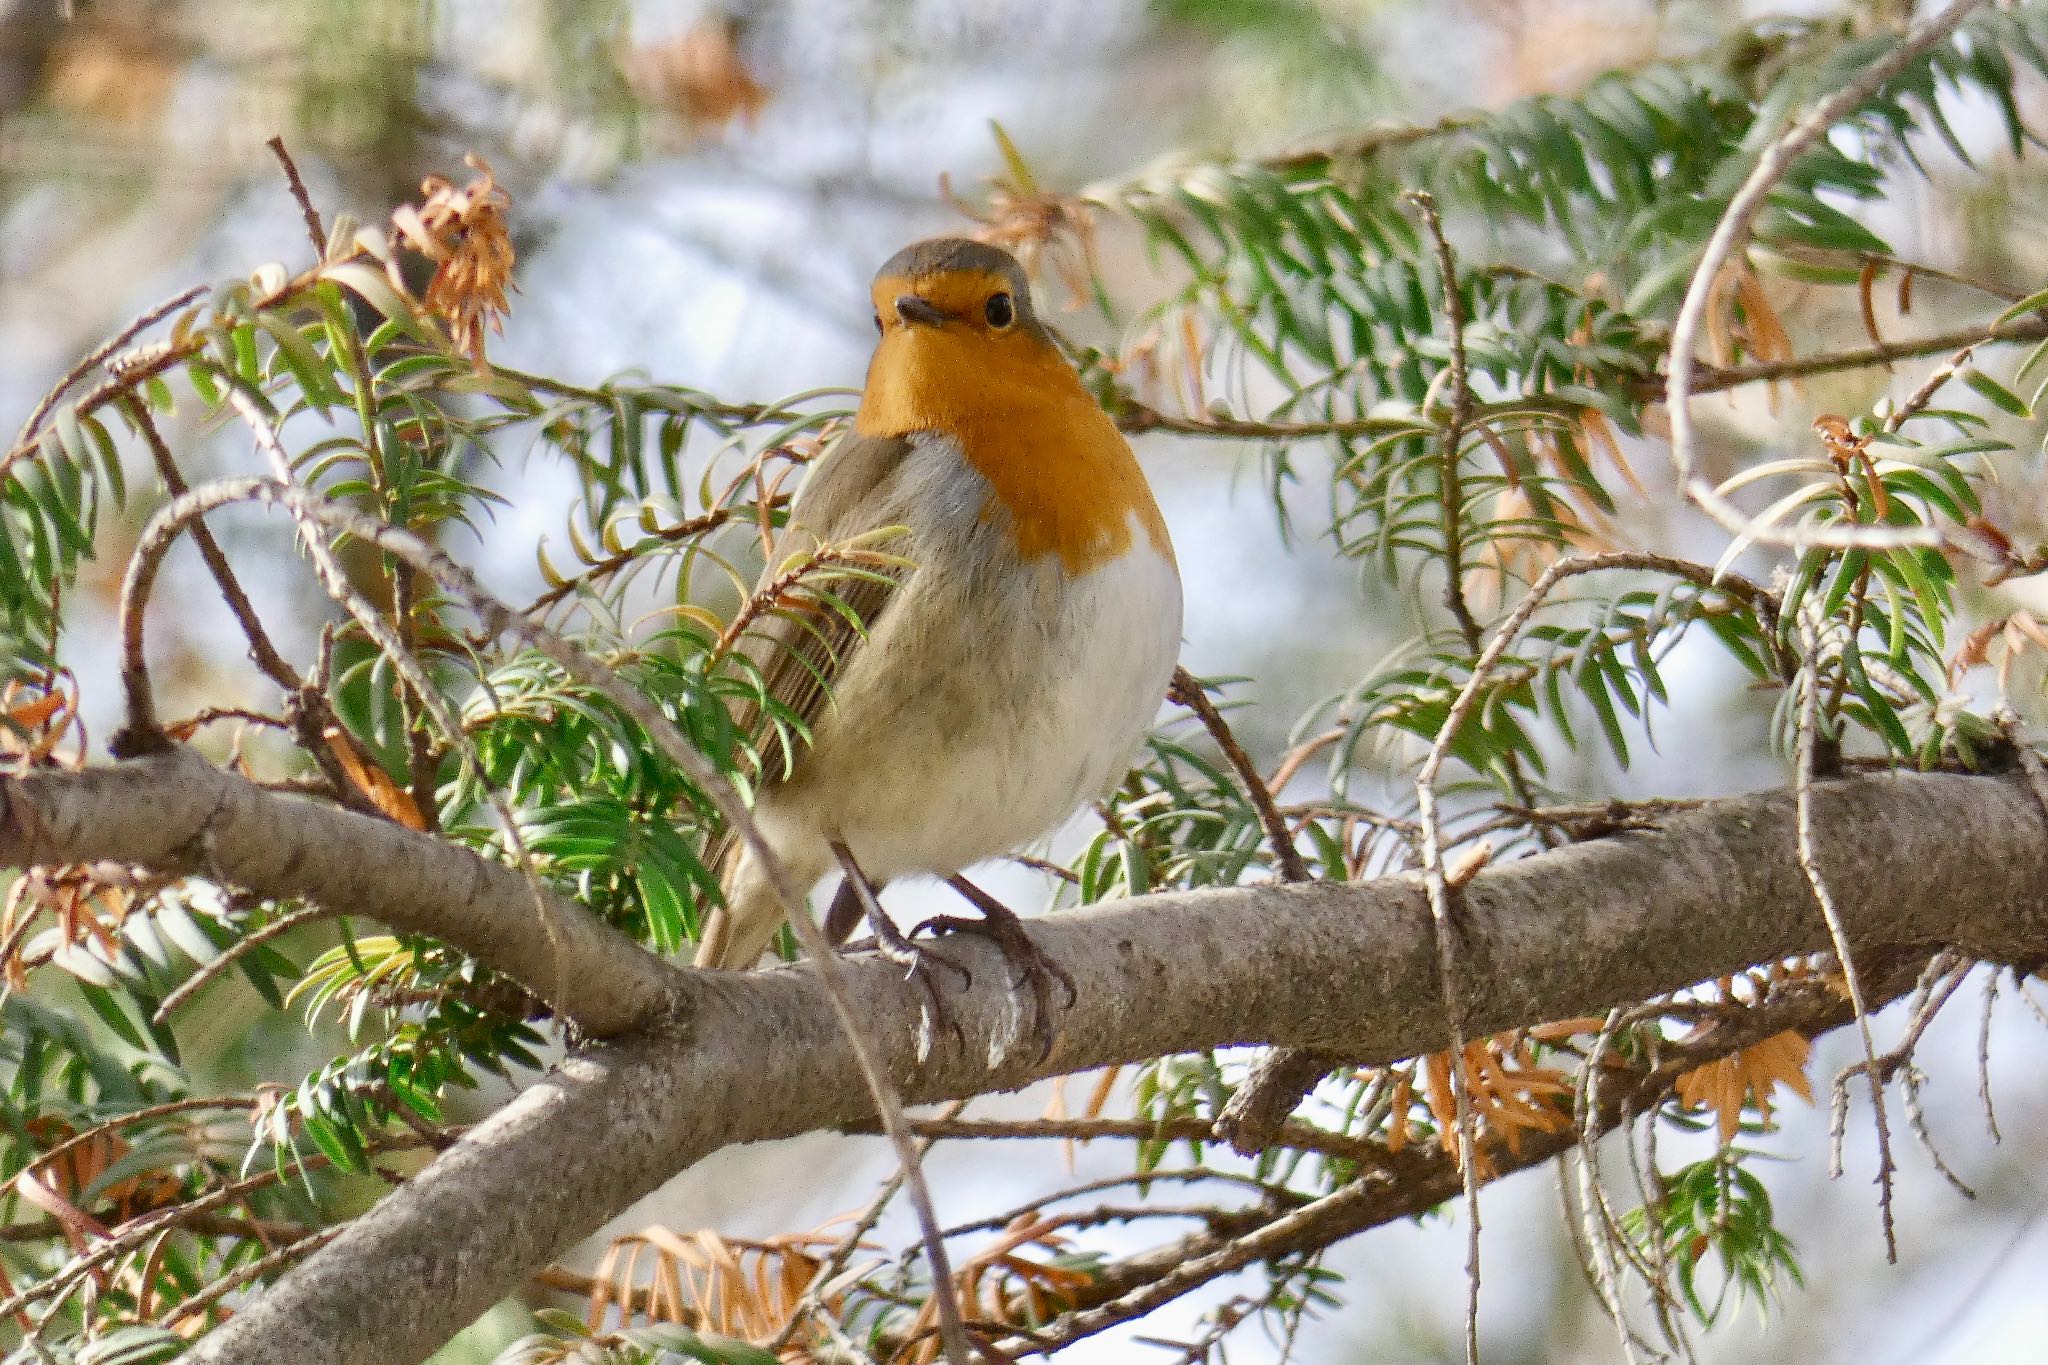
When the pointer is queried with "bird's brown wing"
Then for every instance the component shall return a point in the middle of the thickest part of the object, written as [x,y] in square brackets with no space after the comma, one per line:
[800,642]
[798,649]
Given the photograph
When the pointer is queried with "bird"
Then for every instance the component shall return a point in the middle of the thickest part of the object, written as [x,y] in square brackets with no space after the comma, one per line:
[1005,668]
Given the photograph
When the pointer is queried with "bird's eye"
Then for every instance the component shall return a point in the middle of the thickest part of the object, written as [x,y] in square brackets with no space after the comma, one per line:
[1001,312]
[878,324]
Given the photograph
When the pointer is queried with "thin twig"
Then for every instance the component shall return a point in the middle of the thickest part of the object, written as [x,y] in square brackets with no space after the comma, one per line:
[830,1268]
[1807,743]
[1984,1051]
[300,197]
[312,715]
[1916,1119]
[219,715]
[93,360]
[1599,1230]
[1135,418]
[1712,380]
[193,984]
[1732,229]
[1275,1196]
[1435,881]
[1187,690]
[1298,1136]
[263,652]
[635,553]
[1367,142]
[255,1270]
[1451,436]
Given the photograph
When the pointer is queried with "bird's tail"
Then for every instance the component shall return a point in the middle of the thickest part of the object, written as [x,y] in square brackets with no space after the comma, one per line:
[738,932]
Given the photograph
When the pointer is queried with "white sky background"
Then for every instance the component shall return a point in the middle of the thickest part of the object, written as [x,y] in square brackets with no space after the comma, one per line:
[700,268]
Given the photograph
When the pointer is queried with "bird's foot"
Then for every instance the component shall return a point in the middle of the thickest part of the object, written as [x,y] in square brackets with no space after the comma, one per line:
[1035,968]
[893,945]
[917,959]
[920,963]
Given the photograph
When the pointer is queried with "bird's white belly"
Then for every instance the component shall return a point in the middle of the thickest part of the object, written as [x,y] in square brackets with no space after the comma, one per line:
[1008,703]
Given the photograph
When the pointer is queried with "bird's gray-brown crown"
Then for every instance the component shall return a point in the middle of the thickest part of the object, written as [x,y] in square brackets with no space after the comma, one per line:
[944,255]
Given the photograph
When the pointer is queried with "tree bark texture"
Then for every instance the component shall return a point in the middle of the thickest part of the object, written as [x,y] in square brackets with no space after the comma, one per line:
[698,1061]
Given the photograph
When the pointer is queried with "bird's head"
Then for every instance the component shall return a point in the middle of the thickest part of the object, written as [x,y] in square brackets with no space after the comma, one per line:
[962,355]
[957,333]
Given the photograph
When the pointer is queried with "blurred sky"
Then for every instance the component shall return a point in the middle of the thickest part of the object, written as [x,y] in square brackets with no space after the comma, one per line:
[701,193]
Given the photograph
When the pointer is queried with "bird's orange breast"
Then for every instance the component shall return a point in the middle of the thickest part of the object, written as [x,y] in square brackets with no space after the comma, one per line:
[1052,458]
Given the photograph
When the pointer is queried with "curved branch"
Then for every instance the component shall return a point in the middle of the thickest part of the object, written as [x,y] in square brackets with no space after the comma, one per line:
[1914,859]
[1748,201]
[176,813]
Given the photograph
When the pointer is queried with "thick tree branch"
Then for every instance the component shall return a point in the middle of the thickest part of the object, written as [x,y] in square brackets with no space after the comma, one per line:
[1913,859]
[175,813]
[1407,1184]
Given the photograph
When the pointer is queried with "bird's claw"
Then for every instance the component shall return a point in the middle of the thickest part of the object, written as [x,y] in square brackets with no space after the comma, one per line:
[919,962]
[1034,967]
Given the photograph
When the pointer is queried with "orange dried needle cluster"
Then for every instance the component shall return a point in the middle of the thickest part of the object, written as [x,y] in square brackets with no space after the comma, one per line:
[1748,1077]
[464,232]
[1511,1093]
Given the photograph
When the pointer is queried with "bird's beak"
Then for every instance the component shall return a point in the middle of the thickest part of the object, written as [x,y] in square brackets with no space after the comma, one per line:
[912,308]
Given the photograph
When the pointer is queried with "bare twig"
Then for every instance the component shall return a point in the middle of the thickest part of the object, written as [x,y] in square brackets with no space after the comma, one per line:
[634,554]
[1298,1136]
[1712,380]
[1187,690]
[262,651]
[1984,1051]
[92,361]
[1601,1234]
[254,1270]
[829,1269]
[1136,418]
[220,715]
[1808,738]
[1275,1196]
[208,971]
[317,233]
[1367,142]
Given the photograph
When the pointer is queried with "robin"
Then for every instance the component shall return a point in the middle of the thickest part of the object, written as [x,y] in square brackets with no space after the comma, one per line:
[1007,674]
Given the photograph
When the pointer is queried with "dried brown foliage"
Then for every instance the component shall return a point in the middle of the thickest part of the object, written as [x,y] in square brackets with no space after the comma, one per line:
[999,1286]
[731,1286]
[465,233]
[1032,223]
[1512,1093]
[1747,1079]
[699,76]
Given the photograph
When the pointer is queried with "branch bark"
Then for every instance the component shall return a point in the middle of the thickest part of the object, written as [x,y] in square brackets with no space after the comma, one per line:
[174,813]
[1914,860]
